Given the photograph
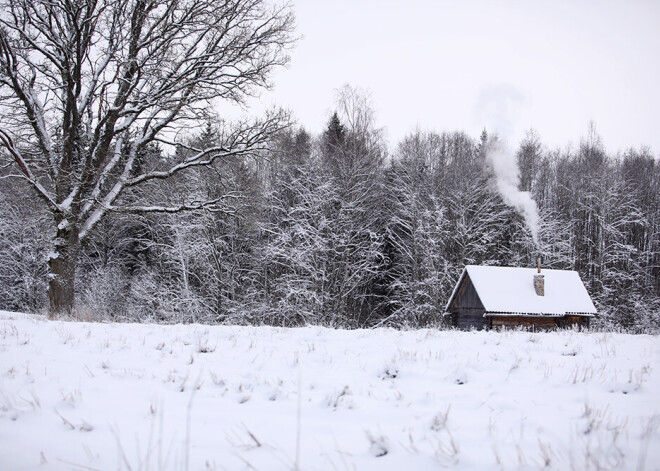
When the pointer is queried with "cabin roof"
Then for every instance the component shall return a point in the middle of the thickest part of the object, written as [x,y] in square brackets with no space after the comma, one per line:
[511,290]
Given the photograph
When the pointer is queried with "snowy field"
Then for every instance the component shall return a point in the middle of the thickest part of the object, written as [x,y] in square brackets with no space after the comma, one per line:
[87,396]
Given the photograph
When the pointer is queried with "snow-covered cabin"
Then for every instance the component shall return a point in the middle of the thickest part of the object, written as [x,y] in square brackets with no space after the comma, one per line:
[487,297]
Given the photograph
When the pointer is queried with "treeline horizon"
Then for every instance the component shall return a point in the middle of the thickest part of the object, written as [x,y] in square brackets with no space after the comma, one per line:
[337,230]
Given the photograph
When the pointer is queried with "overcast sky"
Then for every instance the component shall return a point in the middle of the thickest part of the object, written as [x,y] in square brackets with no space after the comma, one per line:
[465,65]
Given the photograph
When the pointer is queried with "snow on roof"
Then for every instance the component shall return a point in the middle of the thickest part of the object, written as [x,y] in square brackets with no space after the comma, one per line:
[511,290]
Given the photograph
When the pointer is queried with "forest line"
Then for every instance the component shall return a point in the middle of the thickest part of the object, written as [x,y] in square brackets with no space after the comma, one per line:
[334,230]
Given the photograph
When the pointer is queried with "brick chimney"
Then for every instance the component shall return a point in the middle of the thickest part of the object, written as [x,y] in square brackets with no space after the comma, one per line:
[539,281]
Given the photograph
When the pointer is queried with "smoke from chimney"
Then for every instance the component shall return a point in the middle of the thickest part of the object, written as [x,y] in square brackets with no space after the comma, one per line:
[499,106]
[507,178]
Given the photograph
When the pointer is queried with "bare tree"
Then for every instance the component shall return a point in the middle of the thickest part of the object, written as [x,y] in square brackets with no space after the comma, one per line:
[87,85]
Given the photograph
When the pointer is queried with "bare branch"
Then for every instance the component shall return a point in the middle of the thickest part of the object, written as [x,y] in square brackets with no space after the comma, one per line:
[27,173]
[213,205]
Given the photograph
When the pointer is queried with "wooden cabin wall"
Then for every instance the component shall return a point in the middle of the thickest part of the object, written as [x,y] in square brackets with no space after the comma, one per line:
[467,320]
[467,297]
[570,321]
[524,321]
[539,322]
[467,309]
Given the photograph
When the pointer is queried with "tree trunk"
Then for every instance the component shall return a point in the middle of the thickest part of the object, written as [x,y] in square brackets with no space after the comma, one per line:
[62,265]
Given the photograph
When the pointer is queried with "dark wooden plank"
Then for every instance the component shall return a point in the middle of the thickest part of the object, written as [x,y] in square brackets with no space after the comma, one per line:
[572,320]
[470,319]
[467,297]
[525,321]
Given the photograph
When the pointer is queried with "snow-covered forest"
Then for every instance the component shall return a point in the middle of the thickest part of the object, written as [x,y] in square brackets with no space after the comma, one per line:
[125,196]
[335,230]
[332,230]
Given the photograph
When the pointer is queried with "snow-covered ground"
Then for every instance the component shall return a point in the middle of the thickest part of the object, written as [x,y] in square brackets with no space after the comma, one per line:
[151,397]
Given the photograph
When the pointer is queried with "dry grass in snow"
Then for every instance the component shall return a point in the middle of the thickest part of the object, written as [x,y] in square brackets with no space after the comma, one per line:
[87,396]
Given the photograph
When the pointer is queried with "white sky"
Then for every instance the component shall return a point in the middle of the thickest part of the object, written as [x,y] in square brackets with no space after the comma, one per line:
[510,65]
